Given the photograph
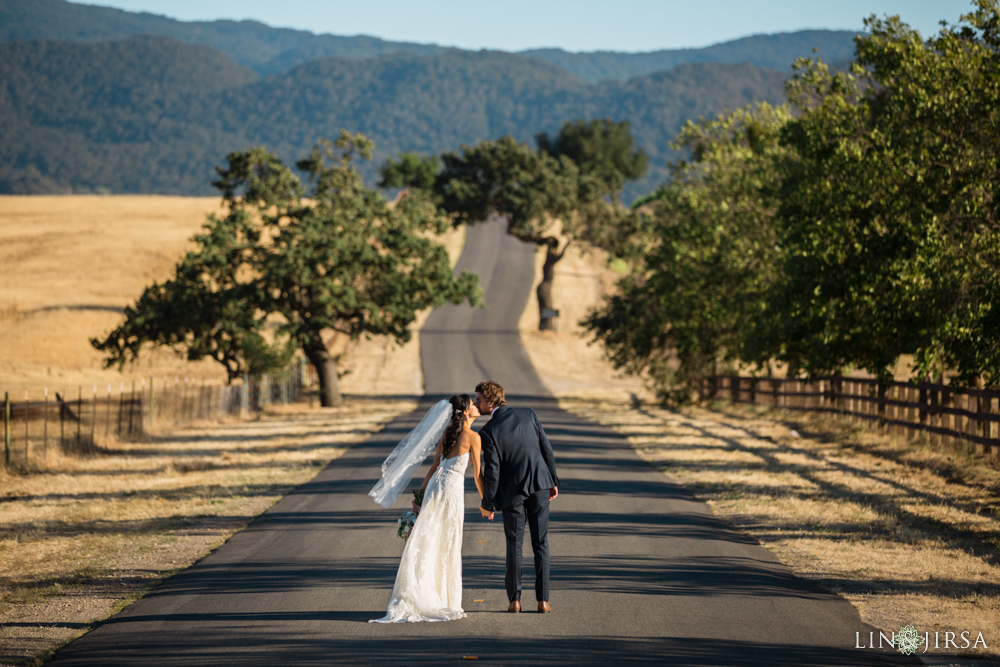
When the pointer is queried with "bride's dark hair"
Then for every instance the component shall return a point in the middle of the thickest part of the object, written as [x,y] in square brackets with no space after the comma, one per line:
[459,404]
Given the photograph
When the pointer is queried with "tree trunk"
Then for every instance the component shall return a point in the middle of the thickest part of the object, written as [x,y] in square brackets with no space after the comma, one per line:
[547,314]
[326,370]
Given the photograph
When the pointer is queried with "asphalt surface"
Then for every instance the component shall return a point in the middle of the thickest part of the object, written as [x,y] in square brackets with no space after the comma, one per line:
[641,572]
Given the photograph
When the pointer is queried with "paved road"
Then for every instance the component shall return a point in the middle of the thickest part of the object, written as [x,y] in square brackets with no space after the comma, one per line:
[642,573]
[460,346]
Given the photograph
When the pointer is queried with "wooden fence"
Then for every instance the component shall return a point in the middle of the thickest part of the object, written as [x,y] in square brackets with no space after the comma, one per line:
[947,414]
[79,421]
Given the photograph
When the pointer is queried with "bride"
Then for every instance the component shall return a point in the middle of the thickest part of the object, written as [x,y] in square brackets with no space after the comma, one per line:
[429,580]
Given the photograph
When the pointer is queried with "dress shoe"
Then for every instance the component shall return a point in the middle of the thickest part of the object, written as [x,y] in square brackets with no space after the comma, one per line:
[544,608]
[514,607]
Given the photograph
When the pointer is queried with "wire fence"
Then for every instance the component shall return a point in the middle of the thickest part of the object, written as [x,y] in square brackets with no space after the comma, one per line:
[36,423]
[946,414]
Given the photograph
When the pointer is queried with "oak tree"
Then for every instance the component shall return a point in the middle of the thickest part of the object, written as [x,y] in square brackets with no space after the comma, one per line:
[289,264]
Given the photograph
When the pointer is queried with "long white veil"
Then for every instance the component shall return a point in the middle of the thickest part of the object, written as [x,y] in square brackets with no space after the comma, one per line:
[398,469]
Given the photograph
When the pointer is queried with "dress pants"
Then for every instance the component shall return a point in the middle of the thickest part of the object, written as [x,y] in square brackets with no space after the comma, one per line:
[535,511]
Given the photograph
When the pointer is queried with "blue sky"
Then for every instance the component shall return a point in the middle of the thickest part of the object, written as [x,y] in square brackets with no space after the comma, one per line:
[574,25]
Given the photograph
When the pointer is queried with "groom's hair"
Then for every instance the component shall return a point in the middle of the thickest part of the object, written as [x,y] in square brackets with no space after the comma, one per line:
[492,392]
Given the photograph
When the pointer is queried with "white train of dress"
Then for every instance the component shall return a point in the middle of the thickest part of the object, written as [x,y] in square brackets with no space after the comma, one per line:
[429,580]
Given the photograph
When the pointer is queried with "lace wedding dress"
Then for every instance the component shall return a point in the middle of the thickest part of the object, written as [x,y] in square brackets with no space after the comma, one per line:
[429,580]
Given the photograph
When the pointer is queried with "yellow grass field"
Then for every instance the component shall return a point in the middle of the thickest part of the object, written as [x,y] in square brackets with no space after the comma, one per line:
[70,264]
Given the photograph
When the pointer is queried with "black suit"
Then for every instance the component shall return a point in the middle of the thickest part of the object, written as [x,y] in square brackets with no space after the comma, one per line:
[518,471]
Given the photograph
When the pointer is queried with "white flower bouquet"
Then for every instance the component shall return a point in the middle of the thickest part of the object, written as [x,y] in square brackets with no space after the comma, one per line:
[405,522]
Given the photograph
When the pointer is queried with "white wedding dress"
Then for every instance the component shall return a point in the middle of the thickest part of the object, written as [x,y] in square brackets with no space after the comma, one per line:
[429,580]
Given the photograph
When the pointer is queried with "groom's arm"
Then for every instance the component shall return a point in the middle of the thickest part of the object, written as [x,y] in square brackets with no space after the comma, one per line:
[491,470]
[546,447]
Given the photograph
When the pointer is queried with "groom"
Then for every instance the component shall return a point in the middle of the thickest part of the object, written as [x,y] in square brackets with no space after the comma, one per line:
[519,474]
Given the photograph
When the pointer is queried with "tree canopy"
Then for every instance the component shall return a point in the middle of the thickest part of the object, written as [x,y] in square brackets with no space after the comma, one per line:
[890,239]
[565,191]
[709,261]
[289,264]
[857,227]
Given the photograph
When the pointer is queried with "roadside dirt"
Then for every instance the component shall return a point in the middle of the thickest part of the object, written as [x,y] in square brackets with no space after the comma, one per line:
[88,536]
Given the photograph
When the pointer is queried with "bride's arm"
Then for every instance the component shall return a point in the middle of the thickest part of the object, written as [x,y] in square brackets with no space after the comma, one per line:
[477,445]
[434,466]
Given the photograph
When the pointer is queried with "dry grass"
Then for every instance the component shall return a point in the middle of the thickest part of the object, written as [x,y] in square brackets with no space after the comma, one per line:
[80,537]
[569,364]
[70,264]
[90,534]
[907,533]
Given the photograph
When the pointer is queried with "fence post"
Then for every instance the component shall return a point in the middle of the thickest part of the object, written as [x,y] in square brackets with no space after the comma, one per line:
[45,426]
[245,397]
[107,416]
[121,406]
[62,421]
[972,426]
[131,411]
[947,418]
[93,421]
[980,431]
[922,404]
[26,426]
[79,415]
[152,404]
[6,428]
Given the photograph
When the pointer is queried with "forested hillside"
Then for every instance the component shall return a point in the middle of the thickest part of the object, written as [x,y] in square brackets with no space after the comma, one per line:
[773,51]
[269,50]
[151,114]
[260,47]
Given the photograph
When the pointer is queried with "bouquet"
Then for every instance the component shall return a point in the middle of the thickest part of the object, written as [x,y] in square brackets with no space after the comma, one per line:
[406,521]
[405,524]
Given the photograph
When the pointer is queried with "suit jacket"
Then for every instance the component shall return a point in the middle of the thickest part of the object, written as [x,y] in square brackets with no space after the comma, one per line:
[517,458]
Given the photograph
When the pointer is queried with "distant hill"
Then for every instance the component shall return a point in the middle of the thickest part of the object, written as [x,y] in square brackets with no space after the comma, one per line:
[776,51]
[95,99]
[269,50]
[154,115]
[260,47]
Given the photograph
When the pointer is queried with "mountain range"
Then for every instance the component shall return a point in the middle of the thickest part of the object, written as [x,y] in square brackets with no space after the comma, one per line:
[95,99]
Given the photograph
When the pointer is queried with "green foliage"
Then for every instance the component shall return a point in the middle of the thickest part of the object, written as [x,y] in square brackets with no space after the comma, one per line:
[567,188]
[710,256]
[603,150]
[891,237]
[410,171]
[567,191]
[300,262]
[206,310]
[533,190]
[859,228]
